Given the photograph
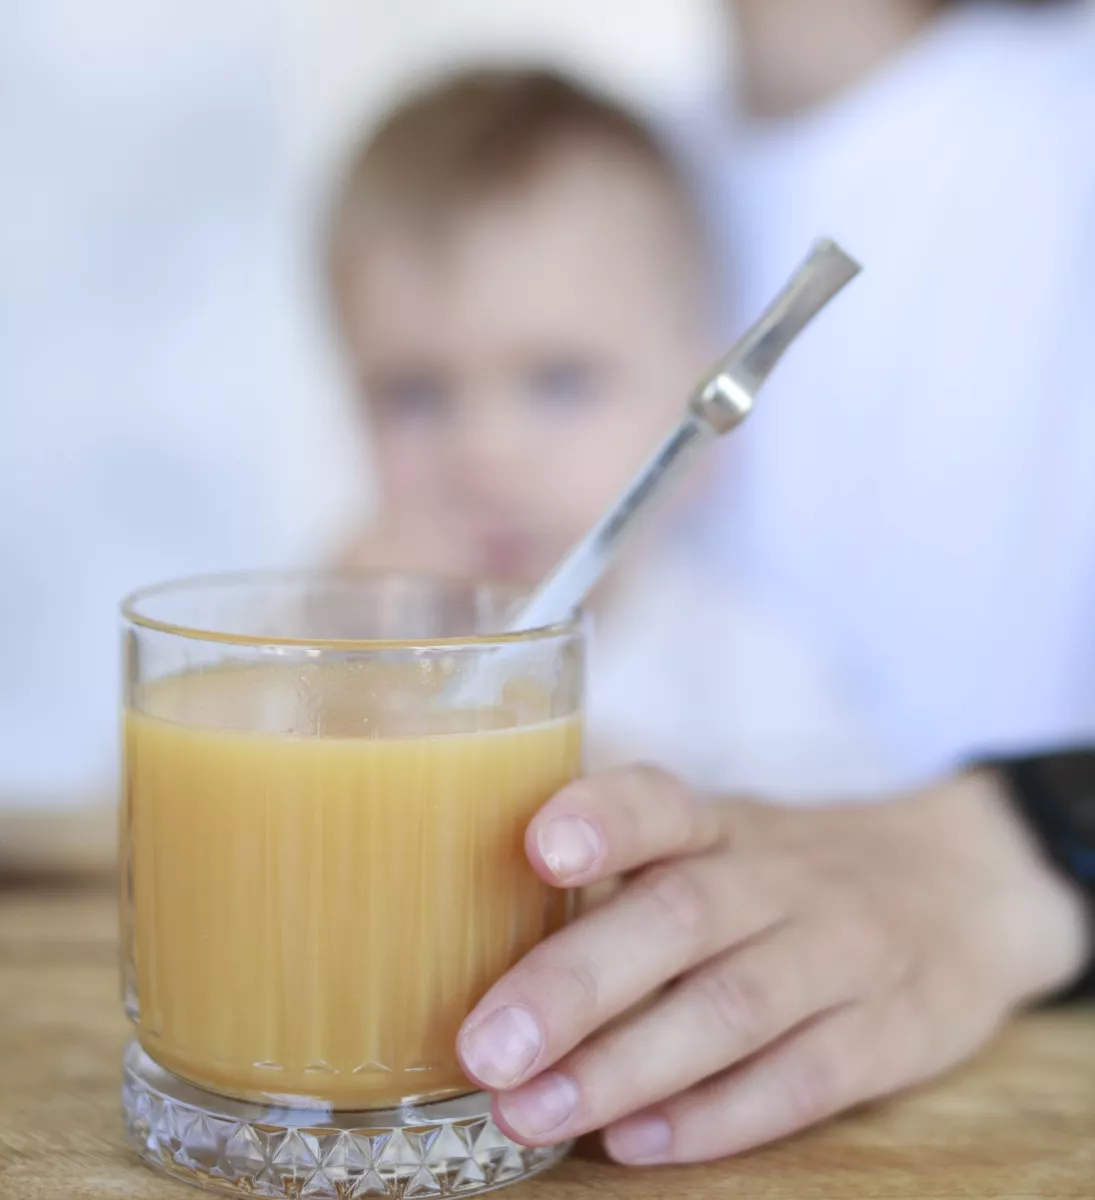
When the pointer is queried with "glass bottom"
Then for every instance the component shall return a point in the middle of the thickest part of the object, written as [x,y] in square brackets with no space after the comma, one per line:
[448,1148]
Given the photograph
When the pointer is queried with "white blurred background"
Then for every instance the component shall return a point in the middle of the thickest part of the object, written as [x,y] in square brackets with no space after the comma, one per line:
[168,400]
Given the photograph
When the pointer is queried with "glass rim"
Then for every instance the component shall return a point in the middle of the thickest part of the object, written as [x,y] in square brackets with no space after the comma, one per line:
[131,603]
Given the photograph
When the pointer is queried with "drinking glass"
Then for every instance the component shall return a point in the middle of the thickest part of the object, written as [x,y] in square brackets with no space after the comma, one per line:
[327,784]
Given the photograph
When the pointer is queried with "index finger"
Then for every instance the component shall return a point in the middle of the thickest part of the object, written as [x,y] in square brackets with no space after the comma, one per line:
[617,821]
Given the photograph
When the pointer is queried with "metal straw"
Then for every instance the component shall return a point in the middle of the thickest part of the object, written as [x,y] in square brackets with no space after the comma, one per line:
[719,403]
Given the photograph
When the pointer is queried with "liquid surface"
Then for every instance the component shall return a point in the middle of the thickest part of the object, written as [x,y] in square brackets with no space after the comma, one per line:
[314,916]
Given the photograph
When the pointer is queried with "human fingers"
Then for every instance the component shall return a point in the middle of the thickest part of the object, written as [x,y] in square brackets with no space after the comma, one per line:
[844,1057]
[726,1010]
[617,821]
[668,918]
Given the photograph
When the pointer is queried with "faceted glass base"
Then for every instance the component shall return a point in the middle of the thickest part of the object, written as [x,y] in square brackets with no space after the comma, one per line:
[448,1148]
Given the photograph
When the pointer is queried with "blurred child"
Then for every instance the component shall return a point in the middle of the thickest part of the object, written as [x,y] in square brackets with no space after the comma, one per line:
[523,288]
[520,281]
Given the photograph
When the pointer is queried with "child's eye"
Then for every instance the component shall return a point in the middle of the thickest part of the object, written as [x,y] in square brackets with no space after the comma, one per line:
[409,397]
[563,381]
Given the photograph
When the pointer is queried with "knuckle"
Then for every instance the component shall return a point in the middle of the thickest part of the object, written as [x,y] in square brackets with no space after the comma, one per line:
[662,792]
[662,786]
[677,899]
[630,825]
[582,983]
[579,795]
[810,1086]
[738,1002]
[565,981]
[863,941]
[655,779]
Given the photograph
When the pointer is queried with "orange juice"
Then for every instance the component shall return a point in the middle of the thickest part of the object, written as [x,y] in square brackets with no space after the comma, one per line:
[314,908]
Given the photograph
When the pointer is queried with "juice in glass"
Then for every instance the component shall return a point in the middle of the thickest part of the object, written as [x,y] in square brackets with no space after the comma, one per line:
[324,871]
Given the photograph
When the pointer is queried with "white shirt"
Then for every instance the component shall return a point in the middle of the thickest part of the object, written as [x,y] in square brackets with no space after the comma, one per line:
[708,681]
[910,513]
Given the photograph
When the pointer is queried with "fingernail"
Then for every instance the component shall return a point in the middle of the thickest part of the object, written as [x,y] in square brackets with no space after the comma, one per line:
[569,845]
[502,1047]
[644,1139]
[540,1106]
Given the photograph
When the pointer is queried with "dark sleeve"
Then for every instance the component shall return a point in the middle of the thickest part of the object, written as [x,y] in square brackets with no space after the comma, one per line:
[1054,794]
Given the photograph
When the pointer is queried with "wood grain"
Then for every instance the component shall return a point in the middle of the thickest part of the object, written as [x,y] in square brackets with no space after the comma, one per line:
[1018,1123]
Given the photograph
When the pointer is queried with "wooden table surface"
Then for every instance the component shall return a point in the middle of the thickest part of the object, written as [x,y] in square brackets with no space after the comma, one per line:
[1019,1122]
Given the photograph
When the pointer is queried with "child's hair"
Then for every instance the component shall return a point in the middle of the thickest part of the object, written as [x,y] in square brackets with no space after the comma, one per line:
[482,132]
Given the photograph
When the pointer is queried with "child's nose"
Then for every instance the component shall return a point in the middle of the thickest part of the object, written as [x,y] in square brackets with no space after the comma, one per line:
[491,453]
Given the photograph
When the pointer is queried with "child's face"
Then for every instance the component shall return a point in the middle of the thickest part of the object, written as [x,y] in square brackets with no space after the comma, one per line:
[519,373]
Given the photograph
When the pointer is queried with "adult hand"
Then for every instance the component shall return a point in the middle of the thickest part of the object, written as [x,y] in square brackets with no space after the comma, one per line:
[763,967]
